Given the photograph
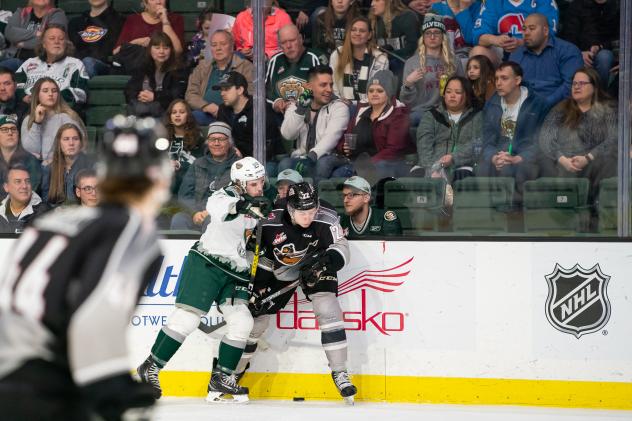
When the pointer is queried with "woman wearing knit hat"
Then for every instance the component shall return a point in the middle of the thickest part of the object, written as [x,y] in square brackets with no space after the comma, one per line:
[424,73]
[383,133]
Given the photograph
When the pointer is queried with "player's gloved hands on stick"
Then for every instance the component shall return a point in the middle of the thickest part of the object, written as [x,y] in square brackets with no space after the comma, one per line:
[256,307]
[314,268]
[257,207]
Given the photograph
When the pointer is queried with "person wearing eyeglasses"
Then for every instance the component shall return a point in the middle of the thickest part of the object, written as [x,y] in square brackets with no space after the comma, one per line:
[548,62]
[579,136]
[12,152]
[424,72]
[86,188]
[208,173]
[360,219]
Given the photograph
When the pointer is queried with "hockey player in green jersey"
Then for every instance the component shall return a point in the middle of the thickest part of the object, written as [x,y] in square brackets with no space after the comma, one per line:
[360,219]
[217,271]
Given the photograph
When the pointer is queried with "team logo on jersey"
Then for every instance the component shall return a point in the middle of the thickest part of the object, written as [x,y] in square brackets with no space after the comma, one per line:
[279,238]
[291,88]
[31,66]
[289,256]
[92,34]
[390,216]
[511,23]
[577,302]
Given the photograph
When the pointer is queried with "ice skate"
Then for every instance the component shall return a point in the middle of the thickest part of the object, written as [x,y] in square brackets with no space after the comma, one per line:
[223,388]
[148,373]
[345,387]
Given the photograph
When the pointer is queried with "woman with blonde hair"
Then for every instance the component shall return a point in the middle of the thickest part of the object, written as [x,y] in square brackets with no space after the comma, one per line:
[356,61]
[69,157]
[396,29]
[48,113]
[425,75]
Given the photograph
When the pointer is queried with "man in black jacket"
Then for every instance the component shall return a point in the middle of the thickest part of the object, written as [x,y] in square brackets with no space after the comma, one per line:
[237,112]
[94,34]
[22,204]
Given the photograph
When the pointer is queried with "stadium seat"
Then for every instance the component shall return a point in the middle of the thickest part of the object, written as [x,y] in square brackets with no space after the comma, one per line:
[608,206]
[556,206]
[73,7]
[482,204]
[231,7]
[127,7]
[12,5]
[105,99]
[187,6]
[418,202]
[331,191]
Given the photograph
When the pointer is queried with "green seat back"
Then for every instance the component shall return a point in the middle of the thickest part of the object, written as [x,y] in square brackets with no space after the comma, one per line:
[418,202]
[189,6]
[608,206]
[71,7]
[99,115]
[481,204]
[331,191]
[128,7]
[108,82]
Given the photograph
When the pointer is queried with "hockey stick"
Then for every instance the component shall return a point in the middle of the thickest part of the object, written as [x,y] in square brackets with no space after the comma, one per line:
[210,329]
[255,260]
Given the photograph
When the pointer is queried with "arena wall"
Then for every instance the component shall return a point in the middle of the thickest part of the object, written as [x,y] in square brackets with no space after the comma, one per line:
[437,322]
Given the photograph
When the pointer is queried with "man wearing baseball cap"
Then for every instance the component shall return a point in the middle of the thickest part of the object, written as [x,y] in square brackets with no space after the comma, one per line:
[237,112]
[360,218]
[284,180]
[207,173]
[12,152]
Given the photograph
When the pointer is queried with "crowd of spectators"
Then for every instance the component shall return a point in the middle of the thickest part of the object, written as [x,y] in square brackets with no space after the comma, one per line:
[364,90]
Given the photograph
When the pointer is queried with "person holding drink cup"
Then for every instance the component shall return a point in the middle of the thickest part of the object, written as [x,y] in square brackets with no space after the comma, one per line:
[378,137]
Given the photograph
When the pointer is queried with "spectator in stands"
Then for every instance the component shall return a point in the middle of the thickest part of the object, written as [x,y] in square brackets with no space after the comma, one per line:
[548,63]
[284,180]
[9,101]
[94,34]
[243,29]
[286,75]
[195,49]
[54,61]
[452,28]
[48,113]
[186,142]
[511,122]
[500,23]
[420,7]
[138,28]
[207,174]
[480,72]
[162,80]
[86,188]
[237,112]
[315,125]
[579,136]
[493,55]
[12,152]
[303,12]
[425,73]
[22,204]
[449,136]
[459,18]
[360,219]
[203,99]
[24,29]
[593,26]
[329,30]
[396,29]
[356,61]
[383,133]
[69,156]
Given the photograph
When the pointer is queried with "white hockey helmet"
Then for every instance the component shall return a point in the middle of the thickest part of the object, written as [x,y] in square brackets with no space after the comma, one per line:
[246,169]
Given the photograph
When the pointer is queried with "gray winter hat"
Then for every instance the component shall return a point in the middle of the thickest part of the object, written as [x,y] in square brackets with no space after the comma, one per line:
[386,79]
[432,21]
[220,127]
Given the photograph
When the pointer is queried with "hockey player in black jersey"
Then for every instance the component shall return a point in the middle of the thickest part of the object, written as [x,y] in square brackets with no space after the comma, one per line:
[72,284]
[303,244]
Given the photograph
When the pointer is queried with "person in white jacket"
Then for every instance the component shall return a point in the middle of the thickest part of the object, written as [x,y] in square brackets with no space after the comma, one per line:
[315,123]
[356,61]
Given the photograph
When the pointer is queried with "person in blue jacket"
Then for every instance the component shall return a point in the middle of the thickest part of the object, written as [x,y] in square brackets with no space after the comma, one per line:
[548,62]
[511,122]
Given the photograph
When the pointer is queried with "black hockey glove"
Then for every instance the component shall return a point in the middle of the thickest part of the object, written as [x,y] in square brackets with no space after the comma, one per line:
[313,267]
[257,207]
[120,398]
[256,307]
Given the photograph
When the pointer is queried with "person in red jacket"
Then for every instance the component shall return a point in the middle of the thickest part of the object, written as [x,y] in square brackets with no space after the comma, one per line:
[243,29]
[382,129]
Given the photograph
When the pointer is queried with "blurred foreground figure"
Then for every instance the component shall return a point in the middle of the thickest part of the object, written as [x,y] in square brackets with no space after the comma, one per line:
[71,286]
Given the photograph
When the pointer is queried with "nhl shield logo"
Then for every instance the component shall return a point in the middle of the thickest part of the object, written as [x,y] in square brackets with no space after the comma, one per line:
[578,301]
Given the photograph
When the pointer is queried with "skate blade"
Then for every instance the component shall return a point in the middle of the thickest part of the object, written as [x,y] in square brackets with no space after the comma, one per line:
[225,398]
[349,400]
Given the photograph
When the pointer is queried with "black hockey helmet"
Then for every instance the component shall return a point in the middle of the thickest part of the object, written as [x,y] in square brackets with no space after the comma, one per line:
[302,196]
[131,147]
